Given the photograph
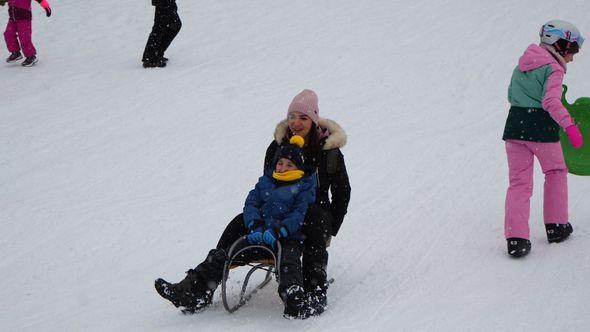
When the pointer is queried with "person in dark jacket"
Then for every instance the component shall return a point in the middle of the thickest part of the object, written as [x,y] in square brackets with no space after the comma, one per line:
[167,24]
[274,211]
[322,152]
[323,140]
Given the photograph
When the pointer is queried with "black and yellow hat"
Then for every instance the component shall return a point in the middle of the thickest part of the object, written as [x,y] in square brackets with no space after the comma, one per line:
[293,151]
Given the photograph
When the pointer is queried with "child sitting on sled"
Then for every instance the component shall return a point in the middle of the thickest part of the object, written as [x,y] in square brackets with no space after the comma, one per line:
[274,211]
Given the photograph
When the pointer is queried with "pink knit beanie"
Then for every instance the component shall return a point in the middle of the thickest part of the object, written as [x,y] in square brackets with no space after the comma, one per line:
[306,102]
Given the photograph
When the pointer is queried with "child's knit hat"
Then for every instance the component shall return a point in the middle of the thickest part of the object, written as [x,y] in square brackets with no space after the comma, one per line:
[293,151]
[306,102]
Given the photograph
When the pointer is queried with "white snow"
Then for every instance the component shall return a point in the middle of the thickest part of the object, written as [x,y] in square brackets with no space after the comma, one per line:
[112,175]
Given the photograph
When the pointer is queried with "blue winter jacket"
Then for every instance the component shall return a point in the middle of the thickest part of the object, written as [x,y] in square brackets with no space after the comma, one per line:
[280,204]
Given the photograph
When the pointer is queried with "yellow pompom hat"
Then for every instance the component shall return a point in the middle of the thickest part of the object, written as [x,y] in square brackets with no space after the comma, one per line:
[293,151]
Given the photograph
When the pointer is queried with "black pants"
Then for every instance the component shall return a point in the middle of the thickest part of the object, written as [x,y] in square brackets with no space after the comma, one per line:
[316,231]
[166,26]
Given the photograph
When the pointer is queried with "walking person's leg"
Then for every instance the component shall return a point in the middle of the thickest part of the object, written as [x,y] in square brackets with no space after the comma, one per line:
[520,190]
[151,54]
[555,193]
[25,36]
[11,39]
[172,27]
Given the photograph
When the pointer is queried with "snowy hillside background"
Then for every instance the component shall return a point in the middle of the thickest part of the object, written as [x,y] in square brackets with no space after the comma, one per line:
[112,175]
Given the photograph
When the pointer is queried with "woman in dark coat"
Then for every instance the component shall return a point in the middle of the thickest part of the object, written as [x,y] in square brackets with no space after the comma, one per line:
[323,219]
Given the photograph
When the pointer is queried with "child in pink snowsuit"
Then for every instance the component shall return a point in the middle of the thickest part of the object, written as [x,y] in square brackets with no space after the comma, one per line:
[532,130]
[19,29]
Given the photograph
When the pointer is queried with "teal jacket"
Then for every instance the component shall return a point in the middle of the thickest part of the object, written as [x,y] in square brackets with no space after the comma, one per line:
[536,111]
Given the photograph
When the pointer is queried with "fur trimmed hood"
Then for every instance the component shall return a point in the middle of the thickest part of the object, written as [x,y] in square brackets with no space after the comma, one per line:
[336,135]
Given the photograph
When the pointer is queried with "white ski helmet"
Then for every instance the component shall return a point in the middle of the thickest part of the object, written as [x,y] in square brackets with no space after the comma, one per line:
[555,30]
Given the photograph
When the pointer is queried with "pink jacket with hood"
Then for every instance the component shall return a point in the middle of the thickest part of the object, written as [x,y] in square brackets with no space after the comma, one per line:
[537,82]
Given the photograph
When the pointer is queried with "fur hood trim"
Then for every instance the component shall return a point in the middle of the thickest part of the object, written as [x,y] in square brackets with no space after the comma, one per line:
[336,135]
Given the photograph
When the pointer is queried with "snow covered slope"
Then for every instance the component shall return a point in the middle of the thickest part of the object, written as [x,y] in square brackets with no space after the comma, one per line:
[112,175]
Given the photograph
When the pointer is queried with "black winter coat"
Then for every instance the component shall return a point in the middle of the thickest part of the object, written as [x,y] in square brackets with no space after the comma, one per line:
[331,169]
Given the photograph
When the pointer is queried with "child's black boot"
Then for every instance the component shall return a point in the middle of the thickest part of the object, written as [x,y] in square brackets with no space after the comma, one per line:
[15,56]
[295,304]
[29,61]
[558,232]
[518,247]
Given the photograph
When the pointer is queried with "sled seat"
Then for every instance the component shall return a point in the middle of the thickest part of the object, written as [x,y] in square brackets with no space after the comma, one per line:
[265,261]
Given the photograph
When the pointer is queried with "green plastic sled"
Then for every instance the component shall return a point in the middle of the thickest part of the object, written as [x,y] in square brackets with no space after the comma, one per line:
[577,160]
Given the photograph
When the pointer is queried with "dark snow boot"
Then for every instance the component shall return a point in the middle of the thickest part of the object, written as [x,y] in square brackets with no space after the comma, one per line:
[295,304]
[190,297]
[29,61]
[317,300]
[558,232]
[195,291]
[518,247]
[15,56]
[154,64]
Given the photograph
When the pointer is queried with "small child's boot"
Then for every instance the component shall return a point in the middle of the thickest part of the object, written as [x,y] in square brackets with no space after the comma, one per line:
[29,61]
[558,232]
[518,247]
[295,304]
[14,56]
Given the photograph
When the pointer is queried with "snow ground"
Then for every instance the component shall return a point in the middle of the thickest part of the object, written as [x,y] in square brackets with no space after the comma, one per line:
[112,175]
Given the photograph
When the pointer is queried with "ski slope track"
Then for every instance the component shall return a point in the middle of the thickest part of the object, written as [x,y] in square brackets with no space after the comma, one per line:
[112,175]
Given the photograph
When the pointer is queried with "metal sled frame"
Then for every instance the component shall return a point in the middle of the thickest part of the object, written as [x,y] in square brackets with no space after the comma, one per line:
[270,266]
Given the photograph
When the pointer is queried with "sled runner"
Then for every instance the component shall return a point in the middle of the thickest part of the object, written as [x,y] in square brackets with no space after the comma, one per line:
[577,160]
[268,260]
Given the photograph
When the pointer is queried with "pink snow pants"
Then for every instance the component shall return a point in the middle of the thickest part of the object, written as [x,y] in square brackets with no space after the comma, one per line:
[19,30]
[520,168]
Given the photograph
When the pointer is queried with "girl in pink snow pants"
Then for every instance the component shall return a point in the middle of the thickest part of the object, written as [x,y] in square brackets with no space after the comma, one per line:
[18,30]
[532,130]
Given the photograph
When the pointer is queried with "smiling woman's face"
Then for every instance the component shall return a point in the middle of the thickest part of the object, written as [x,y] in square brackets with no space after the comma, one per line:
[299,124]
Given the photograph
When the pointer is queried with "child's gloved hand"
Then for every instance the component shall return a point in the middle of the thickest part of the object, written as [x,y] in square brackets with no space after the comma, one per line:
[46,6]
[255,236]
[255,230]
[271,236]
[575,136]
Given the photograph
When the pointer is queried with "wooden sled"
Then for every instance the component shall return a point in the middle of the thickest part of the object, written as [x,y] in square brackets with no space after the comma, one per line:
[270,265]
